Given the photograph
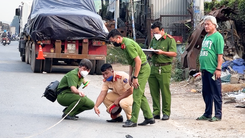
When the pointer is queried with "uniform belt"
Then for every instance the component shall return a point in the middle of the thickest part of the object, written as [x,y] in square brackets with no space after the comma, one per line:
[144,63]
[162,64]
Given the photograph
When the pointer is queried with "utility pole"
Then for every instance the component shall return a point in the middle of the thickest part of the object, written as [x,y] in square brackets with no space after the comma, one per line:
[198,11]
[116,12]
[132,10]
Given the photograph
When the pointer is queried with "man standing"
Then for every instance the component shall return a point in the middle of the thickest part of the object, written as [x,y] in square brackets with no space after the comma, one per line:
[70,94]
[140,70]
[210,58]
[159,79]
[120,94]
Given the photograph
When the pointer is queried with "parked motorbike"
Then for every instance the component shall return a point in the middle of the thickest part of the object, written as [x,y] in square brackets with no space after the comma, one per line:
[5,41]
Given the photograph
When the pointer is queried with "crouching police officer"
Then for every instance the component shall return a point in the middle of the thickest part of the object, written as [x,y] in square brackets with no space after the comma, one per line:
[70,94]
[120,94]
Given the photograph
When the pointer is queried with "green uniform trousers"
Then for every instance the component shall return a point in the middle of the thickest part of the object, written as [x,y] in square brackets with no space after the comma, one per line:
[140,101]
[70,99]
[160,81]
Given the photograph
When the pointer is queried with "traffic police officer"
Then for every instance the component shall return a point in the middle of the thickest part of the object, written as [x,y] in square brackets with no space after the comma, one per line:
[120,94]
[161,70]
[140,70]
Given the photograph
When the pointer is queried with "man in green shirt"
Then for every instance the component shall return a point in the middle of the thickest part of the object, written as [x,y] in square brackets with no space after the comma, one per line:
[211,57]
[159,79]
[70,94]
[140,70]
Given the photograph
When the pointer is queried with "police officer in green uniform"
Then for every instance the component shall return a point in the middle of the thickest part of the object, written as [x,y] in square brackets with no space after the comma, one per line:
[139,71]
[70,94]
[159,79]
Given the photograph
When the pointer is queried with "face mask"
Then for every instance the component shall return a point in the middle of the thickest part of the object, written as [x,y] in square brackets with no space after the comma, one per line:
[110,78]
[84,73]
[157,36]
[116,44]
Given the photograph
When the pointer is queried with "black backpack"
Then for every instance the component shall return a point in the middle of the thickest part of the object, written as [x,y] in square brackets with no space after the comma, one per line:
[51,91]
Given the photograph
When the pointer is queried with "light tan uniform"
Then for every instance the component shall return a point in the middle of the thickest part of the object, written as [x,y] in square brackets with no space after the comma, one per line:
[118,86]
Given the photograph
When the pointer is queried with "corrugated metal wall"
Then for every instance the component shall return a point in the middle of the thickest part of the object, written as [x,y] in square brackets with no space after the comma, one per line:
[170,7]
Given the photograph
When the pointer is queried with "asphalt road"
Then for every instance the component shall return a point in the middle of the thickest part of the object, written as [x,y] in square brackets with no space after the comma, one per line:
[25,114]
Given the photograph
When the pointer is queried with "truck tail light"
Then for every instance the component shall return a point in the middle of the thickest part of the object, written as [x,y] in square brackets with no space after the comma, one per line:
[85,40]
[47,42]
[98,43]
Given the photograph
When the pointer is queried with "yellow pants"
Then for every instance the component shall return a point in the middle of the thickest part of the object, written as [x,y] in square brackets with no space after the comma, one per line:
[125,104]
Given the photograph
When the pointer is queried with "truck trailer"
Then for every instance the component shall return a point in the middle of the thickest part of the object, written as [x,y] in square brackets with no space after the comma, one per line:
[65,31]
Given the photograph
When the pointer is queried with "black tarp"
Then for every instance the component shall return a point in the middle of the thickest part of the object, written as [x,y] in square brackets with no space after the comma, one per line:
[65,20]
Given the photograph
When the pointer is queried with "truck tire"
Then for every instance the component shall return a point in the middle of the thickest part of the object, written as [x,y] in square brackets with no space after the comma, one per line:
[99,63]
[36,65]
[47,65]
[22,55]
[27,53]
[93,68]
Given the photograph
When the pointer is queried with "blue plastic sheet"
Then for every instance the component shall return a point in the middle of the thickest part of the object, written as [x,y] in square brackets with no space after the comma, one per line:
[237,65]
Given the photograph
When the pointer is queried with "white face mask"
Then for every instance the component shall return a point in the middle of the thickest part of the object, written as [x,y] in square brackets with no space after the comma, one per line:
[157,36]
[84,73]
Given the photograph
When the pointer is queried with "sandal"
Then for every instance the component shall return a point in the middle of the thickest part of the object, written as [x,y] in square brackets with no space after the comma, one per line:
[203,118]
[214,119]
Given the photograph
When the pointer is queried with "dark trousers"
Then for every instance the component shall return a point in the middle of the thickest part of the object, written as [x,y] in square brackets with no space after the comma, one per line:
[211,92]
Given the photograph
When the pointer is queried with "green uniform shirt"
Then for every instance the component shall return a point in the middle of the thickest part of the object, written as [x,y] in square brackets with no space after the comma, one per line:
[133,50]
[211,46]
[70,79]
[166,43]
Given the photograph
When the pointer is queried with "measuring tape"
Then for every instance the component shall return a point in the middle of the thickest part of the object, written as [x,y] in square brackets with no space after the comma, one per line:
[57,122]
[85,85]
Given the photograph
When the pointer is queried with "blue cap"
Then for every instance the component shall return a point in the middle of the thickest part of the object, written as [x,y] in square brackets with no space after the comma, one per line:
[5,31]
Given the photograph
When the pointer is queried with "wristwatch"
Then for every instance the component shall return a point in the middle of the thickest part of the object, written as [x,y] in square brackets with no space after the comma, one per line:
[218,69]
[134,77]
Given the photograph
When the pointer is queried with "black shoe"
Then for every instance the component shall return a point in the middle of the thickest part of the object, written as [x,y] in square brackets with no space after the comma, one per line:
[147,121]
[165,117]
[129,124]
[68,117]
[118,119]
[64,112]
[156,116]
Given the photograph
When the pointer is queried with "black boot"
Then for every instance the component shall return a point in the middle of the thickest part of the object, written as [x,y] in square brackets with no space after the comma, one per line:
[147,121]
[68,117]
[64,112]
[165,117]
[129,123]
[118,119]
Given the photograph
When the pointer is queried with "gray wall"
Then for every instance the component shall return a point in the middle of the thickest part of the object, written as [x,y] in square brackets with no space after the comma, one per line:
[171,7]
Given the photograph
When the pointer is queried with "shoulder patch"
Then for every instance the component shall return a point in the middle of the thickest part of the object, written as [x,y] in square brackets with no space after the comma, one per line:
[165,36]
[118,77]
[125,80]
[169,36]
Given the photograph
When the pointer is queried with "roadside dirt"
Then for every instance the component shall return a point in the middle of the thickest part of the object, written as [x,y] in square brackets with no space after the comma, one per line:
[187,106]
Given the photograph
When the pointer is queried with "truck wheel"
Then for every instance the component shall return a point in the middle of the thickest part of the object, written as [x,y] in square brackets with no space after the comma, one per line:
[22,54]
[30,52]
[93,68]
[47,65]
[27,53]
[36,65]
[99,63]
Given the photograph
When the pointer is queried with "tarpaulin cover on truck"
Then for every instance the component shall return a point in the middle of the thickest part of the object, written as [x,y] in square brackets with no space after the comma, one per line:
[65,20]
